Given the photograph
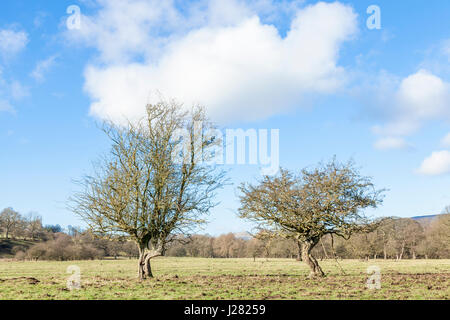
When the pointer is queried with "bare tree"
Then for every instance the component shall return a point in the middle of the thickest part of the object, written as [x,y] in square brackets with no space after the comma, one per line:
[198,246]
[223,245]
[33,226]
[324,200]
[114,248]
[255,248]
[385,233]
[142,190]
[404,236]
[9,220]
[437,241]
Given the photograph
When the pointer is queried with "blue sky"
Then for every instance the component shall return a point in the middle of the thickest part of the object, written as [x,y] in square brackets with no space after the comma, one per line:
[315,71]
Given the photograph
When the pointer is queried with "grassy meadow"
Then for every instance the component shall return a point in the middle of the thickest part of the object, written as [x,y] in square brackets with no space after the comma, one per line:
[199,278]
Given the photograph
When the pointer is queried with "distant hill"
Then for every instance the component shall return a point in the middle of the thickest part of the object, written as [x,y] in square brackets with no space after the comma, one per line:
[243,235]
[426,220]
[431,217]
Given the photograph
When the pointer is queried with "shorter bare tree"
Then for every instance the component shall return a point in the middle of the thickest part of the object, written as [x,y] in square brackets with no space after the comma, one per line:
[326,200]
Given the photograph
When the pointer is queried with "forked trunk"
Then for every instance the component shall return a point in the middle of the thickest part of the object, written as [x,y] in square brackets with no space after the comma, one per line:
[316,270]
[144,266]
[145,269]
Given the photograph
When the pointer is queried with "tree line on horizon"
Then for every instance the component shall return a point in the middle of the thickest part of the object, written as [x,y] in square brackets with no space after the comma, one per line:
[395,238]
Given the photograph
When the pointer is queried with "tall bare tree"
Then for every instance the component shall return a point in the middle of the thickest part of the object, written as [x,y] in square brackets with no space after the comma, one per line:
[156,182]
[326,200]
[9,221]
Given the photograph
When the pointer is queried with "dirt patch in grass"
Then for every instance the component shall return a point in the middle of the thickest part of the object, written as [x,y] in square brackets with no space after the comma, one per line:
[29,280]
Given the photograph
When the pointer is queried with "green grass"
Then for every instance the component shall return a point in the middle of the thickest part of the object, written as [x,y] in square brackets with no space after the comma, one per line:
[198,278]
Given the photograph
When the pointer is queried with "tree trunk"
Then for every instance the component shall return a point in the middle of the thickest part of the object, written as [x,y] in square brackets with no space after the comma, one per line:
[316,270]
[145,255]
[299,253]
[402,251]
[324,250]
[145,270]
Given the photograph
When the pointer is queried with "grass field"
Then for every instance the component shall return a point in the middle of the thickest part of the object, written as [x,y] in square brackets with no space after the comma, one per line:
[198,278]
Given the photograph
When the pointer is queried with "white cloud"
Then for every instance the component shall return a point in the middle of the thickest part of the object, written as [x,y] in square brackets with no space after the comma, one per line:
[445,142]
[230,61]
[125,29]
[423,96]
[391,143]
[436,164]
[419,98]
[42,67]
[12,42]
